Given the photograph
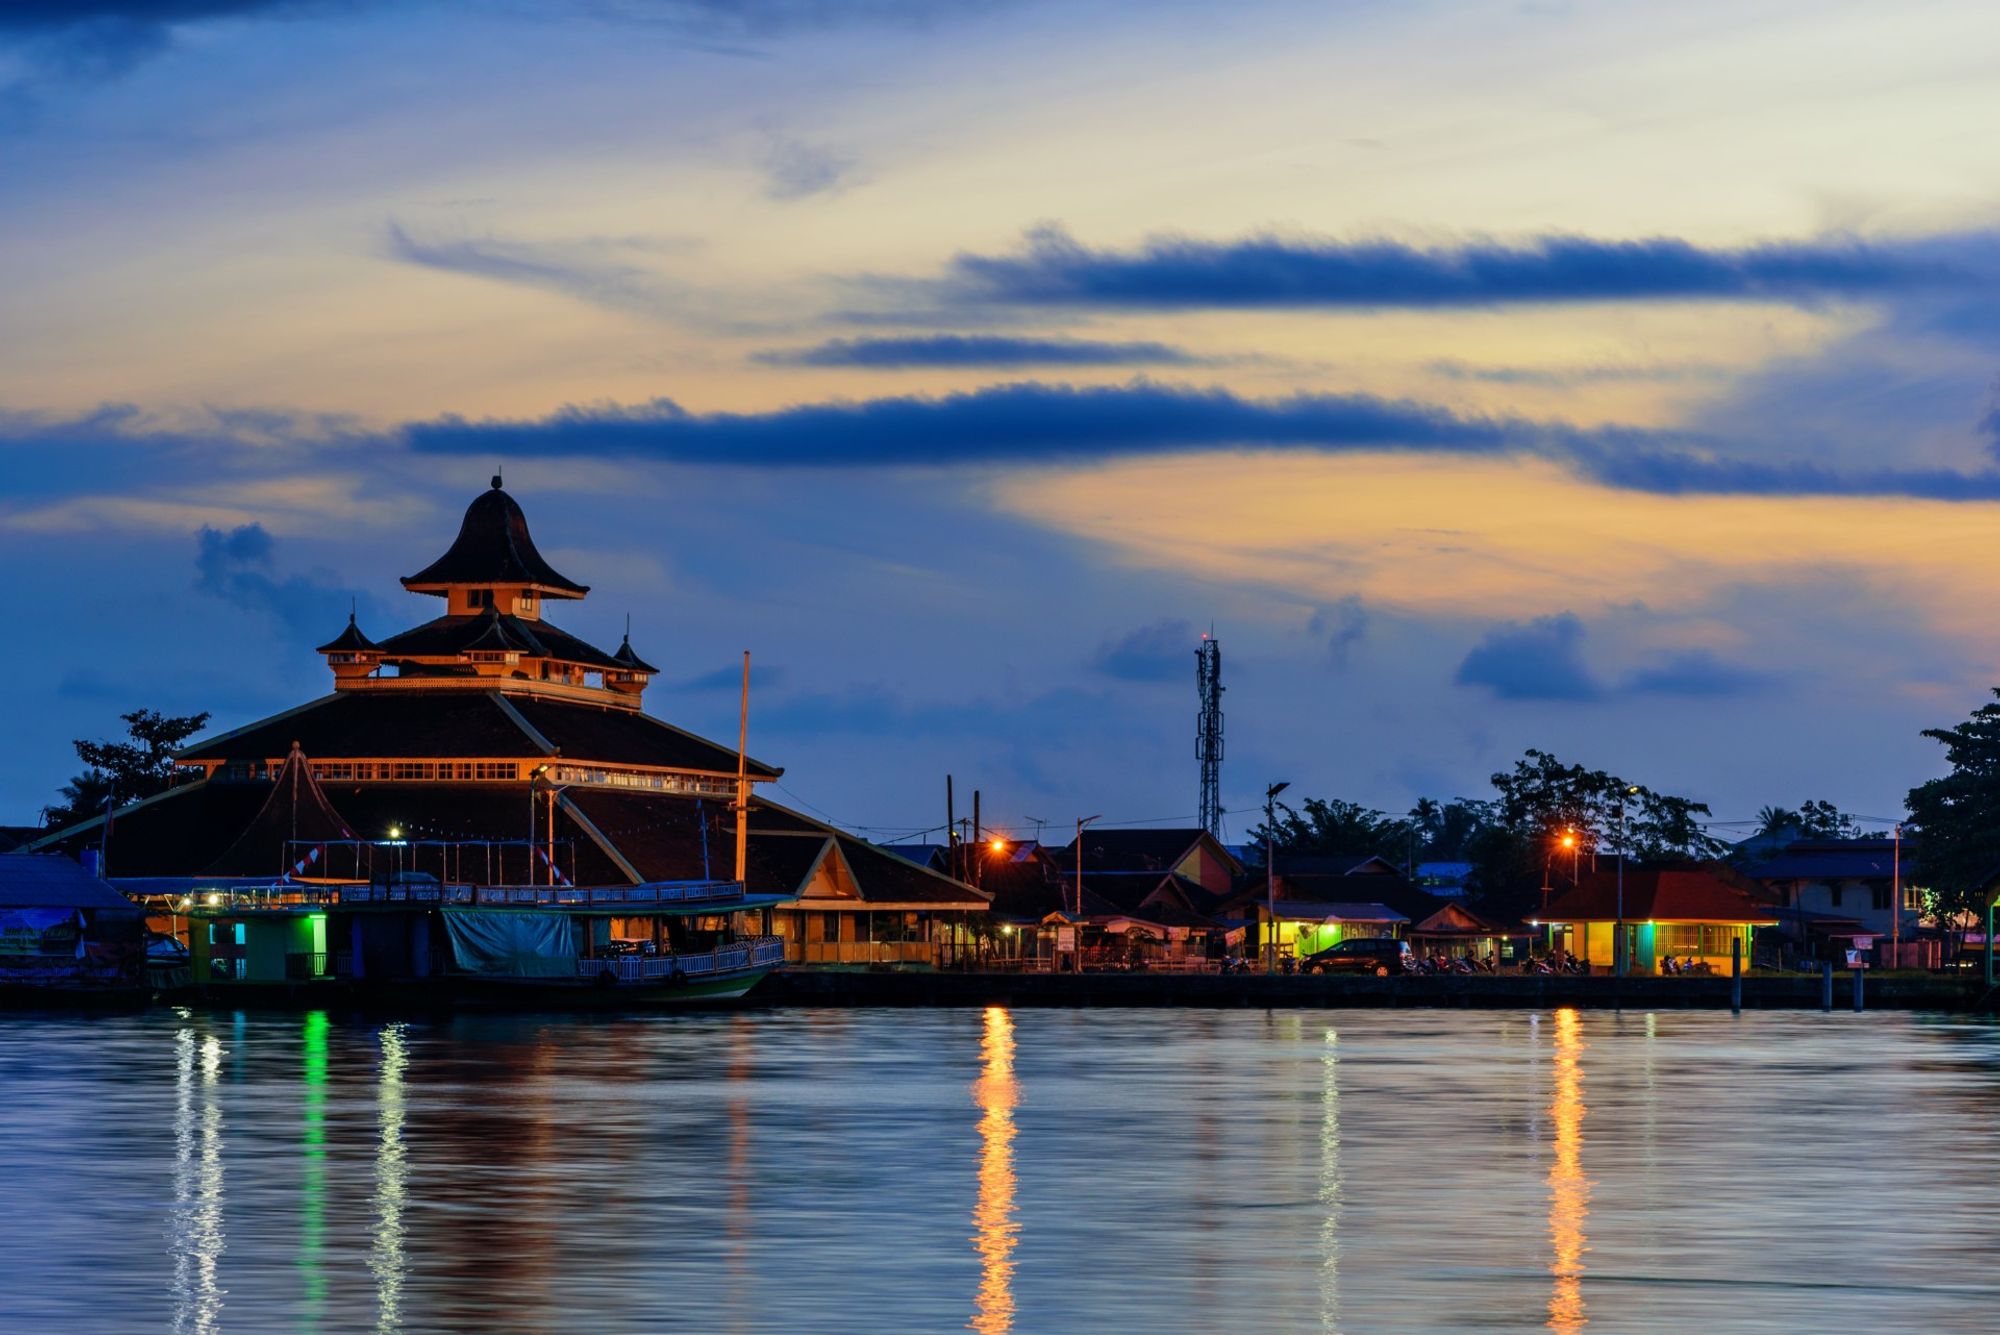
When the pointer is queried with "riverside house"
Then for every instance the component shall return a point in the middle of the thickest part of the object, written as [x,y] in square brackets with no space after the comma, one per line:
[1686,912]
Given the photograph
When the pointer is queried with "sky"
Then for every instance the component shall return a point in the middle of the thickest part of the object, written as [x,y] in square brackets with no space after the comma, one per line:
[1616,380]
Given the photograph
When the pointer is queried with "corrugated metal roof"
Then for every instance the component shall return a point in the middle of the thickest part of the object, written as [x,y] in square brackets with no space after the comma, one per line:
[51,881]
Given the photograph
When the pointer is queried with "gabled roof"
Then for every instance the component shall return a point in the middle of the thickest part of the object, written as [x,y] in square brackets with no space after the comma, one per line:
[1705,893]
[1306,910]
[1335,864]
[52,881]
[1135,850]
[349,641]
[1458,920]
[1836,860]
[493,547]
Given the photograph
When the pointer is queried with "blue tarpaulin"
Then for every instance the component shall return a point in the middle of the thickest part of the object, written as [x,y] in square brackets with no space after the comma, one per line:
[504,943]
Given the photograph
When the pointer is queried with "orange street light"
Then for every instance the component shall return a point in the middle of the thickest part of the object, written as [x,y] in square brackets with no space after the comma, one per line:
[998,845]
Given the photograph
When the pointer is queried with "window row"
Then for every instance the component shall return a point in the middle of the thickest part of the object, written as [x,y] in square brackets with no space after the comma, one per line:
[350,771]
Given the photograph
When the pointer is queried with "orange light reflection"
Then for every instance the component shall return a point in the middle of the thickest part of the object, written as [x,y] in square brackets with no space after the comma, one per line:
[993,1214]
[1569,1189]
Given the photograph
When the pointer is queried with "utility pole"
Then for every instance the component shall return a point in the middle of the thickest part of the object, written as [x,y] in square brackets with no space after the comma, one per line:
[1271,875]
[975,849]
[950,831]
[1621,953]
[1077,926]
[1896,899]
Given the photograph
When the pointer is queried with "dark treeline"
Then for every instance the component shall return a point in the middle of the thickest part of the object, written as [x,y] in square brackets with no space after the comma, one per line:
[1515,839]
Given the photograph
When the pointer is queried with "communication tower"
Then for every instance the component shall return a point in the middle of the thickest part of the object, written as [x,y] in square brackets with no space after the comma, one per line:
[1208,731]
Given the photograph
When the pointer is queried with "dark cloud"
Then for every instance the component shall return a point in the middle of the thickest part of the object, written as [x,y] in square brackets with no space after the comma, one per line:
[83,41]
[238,566]
[1018,423]
[1052,268]
[949,350]
[729,677]
[1697,673]
[1543,660]
[1343,625]
[1534,660]
[52,15]
[1163,651]
[794,169]
[1032,422]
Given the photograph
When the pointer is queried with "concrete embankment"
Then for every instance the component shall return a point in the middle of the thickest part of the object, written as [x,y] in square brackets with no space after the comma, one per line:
[812,987]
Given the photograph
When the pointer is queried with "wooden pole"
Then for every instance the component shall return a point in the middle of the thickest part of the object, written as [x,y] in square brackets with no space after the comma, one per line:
[950,831]
[975,853]
[1735,974]
[1826,985]
[1857,991]
[743,778]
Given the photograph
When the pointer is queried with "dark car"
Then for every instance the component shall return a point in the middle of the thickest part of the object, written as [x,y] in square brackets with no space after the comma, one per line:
[1378,955]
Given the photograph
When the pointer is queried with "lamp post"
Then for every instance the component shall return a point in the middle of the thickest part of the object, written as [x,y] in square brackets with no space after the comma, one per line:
[1621,954]
[1271,875]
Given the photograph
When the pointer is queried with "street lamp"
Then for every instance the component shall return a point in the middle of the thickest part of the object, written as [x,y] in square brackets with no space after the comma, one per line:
[1621,953]
[1271,875]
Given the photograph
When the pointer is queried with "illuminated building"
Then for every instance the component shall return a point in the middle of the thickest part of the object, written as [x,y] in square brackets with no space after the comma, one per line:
[484,793]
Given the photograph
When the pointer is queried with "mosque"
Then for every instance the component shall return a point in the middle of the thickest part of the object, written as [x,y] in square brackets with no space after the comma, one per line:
[489,753]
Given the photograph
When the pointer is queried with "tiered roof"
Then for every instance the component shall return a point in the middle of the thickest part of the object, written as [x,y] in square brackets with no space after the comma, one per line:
[493,547]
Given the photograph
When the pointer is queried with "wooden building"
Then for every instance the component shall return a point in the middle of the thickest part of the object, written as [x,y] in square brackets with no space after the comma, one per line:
[490,748]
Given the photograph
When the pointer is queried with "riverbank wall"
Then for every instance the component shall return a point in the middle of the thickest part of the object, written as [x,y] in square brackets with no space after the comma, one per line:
[855,988]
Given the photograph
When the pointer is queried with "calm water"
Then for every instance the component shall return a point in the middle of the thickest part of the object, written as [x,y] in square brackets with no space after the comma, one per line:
[1033,1171]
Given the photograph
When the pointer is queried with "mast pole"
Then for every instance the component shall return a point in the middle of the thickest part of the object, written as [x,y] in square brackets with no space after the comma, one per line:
[743,777]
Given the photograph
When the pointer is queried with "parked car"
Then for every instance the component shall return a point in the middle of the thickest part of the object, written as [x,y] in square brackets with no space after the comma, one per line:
[1379,955]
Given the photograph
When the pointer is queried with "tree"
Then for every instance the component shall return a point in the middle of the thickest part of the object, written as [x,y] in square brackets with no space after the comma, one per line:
[1541,798]
[1959,815]
[1815,819]
[120,772]
[1329,825]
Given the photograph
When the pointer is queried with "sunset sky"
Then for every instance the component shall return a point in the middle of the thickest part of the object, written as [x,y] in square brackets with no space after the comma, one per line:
[1613,379]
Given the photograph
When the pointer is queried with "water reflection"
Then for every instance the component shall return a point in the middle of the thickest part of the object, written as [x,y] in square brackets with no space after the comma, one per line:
[197,1236]
[385,1259]
[312,1177]
[1569,1189]
[993,1215]
[739,1223]
[1329,1184]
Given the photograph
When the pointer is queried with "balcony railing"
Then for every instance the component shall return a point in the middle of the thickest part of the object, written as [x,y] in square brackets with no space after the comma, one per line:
[305,967]
[302,895]
[759,952]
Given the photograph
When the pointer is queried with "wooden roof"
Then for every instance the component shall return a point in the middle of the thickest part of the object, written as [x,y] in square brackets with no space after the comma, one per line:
[493,548]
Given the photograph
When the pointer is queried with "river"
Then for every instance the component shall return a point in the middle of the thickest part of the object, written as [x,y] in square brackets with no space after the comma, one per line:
[1031,1171]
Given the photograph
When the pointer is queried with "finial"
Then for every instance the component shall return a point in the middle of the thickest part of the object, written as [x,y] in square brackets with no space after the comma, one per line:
[496,478]
[628,628]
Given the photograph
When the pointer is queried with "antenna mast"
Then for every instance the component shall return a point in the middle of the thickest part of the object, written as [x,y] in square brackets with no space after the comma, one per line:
[1208,731]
